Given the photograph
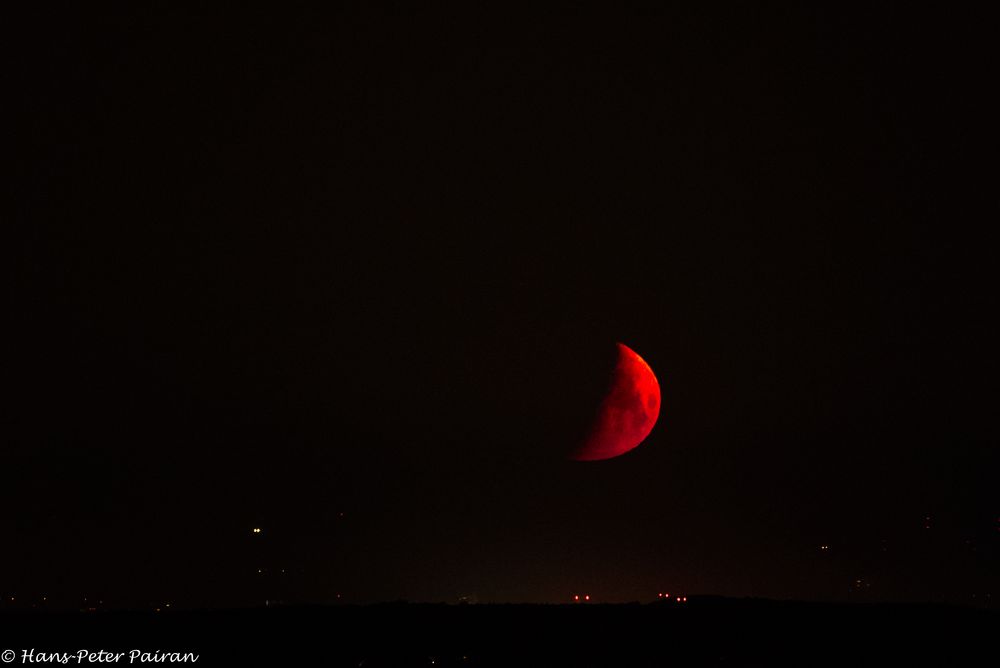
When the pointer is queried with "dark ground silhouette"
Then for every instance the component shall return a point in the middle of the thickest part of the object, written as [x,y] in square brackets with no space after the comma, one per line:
[704,631]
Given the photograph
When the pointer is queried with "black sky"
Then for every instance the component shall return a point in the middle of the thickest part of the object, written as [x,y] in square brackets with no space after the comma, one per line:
[353,278]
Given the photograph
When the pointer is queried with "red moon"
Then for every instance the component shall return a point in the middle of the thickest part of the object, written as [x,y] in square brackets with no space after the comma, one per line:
[626,414]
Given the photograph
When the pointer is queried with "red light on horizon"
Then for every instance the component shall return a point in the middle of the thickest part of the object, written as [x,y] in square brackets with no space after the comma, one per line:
[587,597]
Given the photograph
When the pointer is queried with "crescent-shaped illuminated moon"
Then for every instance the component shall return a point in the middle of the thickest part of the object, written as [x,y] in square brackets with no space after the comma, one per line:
[626,414]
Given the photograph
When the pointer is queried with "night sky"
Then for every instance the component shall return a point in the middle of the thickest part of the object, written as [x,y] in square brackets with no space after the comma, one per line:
[354,279]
